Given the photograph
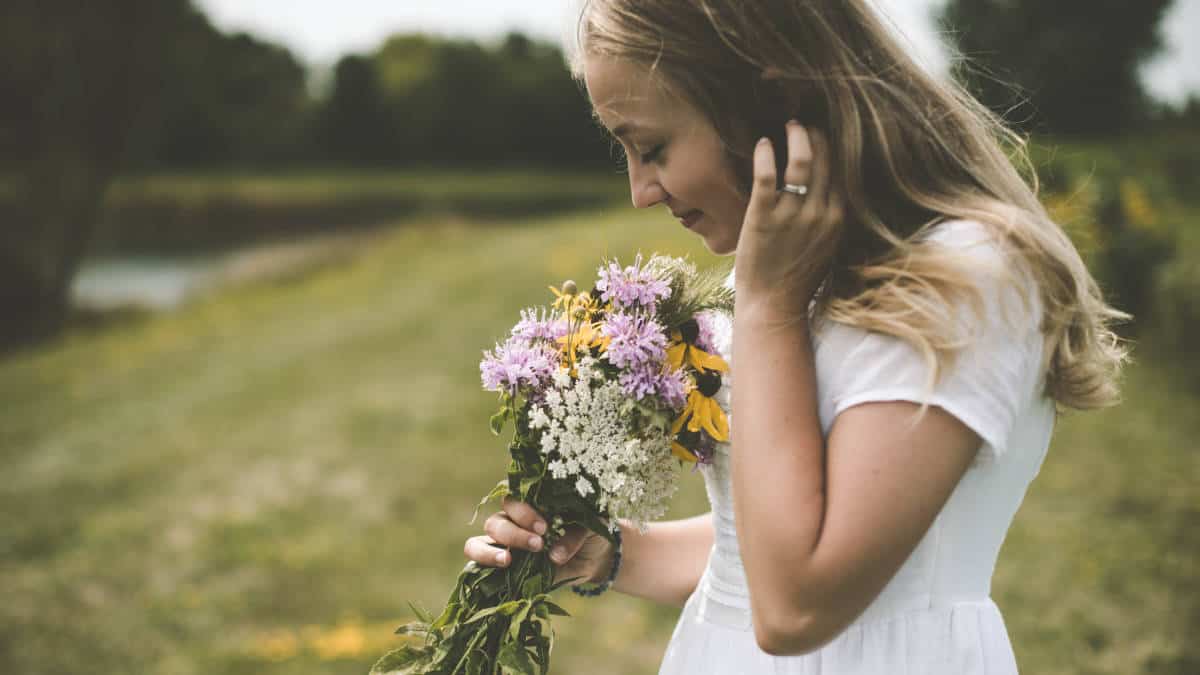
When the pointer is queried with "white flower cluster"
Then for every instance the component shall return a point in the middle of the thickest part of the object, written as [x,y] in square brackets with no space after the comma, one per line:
[588,442]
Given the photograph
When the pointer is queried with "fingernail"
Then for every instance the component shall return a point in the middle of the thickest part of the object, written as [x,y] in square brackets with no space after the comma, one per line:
[535,543]
[763,141]
[558,554]
[539,527]
[502,557]
[794,121]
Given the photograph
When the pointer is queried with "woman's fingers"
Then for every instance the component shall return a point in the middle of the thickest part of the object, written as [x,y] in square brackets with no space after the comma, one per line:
[568,545]
[817,201]
[485,552]
[524,515]
[800,155]
[500,527]
[762,194]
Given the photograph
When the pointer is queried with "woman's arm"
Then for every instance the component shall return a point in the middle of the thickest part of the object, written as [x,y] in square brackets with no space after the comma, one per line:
[822,527]
[665,563]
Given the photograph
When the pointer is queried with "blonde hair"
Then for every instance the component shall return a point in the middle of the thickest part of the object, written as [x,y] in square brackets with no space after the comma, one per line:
[908,151]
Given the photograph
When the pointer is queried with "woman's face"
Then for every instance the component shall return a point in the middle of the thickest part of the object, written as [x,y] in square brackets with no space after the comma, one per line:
[675,156]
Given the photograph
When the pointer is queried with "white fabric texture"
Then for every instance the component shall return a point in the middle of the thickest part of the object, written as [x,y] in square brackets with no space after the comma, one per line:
[935,616]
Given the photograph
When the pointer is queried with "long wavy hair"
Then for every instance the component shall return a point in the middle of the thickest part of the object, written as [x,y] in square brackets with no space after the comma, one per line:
[908,151]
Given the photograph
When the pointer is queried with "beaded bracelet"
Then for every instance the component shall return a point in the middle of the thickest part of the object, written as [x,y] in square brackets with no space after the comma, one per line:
[592,590]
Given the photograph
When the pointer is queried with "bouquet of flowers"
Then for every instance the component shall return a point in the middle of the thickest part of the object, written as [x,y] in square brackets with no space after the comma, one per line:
[609,391]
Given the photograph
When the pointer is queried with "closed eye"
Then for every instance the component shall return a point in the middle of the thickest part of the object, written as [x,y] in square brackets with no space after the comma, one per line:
[652,155]
[646,158]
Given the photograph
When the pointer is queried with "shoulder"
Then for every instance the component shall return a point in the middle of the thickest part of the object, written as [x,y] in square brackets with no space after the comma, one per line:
[982,246]
[973,348]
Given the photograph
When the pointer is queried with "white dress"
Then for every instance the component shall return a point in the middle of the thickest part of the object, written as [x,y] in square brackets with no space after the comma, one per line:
[935,616]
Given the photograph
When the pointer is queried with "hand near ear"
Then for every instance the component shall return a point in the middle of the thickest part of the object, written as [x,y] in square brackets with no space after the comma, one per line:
[788,240]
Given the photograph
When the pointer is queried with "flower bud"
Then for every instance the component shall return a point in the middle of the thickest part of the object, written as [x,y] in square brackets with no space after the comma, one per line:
[569,287]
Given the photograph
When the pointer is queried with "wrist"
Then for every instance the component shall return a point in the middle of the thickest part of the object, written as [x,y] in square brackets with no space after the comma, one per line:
[604,564]
[770,310]
[606,574]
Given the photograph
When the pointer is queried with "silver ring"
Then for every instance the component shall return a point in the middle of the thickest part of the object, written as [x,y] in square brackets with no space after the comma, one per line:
[794,189]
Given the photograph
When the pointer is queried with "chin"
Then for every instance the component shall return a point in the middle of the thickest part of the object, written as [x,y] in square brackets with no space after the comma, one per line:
[720,246]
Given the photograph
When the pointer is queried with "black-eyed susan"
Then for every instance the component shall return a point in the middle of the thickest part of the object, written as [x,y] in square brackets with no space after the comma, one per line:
[585,337]
[702,411]
[683,350]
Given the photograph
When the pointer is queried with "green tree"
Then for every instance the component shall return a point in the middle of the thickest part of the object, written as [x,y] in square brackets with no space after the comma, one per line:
[228,100]
[458,102]
[353,125]
[1076,61]
[78,79]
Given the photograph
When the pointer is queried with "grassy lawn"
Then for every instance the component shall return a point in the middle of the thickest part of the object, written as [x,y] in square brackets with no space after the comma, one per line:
[259,482]
[309,186]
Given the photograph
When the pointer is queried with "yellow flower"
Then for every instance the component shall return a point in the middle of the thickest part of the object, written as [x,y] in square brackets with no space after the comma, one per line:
[570,301]
[1136,205]
[680,351]
[584,338]
[682,452]
[703,412]
[562,299]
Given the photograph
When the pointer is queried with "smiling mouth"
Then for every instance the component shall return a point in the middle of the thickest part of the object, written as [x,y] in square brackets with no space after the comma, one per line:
[689,219]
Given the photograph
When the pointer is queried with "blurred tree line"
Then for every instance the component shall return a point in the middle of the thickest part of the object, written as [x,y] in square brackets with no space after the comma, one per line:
[93,90]
[1074,63]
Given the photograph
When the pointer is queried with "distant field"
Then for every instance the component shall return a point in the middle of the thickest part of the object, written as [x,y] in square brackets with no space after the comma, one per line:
[190,211]
[259,482]
[314,185]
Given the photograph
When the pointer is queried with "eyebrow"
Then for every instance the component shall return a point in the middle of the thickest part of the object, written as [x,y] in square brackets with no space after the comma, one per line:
[623,129]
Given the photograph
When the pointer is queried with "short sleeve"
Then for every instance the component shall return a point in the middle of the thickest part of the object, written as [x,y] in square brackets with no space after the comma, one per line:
[992,379]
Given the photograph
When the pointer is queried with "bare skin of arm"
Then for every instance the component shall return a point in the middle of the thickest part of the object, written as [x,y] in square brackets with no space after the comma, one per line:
[822,523]
[664,564]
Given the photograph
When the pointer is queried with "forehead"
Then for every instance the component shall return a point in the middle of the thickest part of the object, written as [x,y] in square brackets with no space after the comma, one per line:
[625,93]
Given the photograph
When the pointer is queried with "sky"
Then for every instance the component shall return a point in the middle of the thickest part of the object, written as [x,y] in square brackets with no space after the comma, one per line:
[320,32]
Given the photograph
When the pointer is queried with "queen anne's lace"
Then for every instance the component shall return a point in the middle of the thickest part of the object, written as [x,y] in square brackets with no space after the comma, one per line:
[584,436]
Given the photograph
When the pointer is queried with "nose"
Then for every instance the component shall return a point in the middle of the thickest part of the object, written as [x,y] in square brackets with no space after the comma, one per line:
[644,187]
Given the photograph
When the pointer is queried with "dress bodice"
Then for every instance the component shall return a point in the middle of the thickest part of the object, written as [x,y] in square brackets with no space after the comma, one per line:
[957,556]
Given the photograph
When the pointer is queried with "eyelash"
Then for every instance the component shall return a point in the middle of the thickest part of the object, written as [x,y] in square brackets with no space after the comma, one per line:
[644,158]
[652,155]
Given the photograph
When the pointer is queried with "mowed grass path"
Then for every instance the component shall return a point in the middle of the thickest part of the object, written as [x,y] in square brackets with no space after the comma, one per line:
[260,482]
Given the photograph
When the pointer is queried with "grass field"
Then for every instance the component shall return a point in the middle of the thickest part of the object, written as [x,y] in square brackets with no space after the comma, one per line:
[259,482]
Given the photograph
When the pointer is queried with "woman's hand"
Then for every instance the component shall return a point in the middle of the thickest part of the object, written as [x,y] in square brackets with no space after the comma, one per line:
[787,240]
[578,553]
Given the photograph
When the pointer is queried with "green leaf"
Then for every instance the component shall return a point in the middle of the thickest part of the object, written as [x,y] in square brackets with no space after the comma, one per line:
[555,609]
[514,659]
[533,586]
[497,421]
[505,609]
[448,616]
[477,662]
[527,483]
[514,628]
[406,660]
[501,490]
[413,628]
[424,616]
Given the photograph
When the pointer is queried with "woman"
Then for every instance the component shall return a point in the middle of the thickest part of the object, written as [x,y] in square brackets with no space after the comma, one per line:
[907,321]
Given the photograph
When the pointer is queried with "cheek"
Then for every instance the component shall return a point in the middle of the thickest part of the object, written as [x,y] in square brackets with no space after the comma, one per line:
[724,190]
